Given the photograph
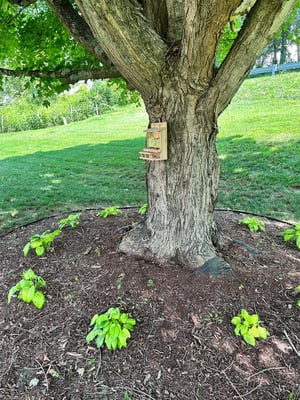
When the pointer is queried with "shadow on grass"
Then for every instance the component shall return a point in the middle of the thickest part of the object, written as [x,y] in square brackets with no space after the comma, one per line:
[263,177]
[36,185]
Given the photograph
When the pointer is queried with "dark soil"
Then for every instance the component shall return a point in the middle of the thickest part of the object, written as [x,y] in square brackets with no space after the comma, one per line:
[183,346]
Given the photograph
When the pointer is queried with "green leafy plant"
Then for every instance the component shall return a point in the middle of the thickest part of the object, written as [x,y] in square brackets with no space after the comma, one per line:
[253,224]
[28,288]
[109,211]
[41,243]
[248,326]
[143,209]
[150,282]
[72,220]
[214,317]
[112,328]
[292,234]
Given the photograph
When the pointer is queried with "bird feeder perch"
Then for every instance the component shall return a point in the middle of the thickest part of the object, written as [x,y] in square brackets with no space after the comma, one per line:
[156,143]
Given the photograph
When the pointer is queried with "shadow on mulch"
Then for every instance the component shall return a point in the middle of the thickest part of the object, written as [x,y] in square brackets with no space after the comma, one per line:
[183,346]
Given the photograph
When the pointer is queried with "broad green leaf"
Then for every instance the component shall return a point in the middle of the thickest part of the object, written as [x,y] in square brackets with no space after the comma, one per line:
[244,314]
[130,323]
[11,292]
[115,314]
[40,282]
[26,294]
[244,328]
[298,288]
[237,330]
[94,332]
[236,320]
[123,318]
[36,243]
[254,331]
[249,339]
[100,339]
[253,319]
[25,284]
[40,251]
[263,333]
[298,242]
[39,299]
[93,320]
[114,330]
[26,249]
[108,342]
[29,274]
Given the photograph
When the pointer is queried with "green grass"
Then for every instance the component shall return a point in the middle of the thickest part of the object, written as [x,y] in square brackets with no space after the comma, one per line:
[95,162]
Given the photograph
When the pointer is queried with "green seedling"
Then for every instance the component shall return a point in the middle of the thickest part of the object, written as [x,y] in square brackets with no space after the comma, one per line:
[214,317]
[28,288]
[292,234]
[143,209]
[72,220]
[150,282]
[109,211]
[248,326]
[111,328]
[253,224]
[41,243]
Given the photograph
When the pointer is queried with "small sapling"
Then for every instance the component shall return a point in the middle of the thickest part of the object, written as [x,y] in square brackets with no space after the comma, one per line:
[109,211]
[253,224]
[111,328]
[41,243]
[72,220]
[248,326]
[28,288]
[292,234]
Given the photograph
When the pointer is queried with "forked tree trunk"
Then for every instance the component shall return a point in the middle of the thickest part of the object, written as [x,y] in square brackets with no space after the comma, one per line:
[182,191]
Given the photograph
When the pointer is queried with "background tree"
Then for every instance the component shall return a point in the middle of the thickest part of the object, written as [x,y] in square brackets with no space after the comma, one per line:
[166,50]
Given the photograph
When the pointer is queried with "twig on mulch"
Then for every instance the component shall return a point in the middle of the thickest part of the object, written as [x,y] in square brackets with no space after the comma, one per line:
[291,343]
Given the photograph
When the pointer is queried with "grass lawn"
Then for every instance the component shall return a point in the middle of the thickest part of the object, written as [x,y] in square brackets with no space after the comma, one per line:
[95,162]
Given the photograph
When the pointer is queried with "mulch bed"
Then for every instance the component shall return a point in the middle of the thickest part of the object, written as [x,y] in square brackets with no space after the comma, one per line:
[183,346]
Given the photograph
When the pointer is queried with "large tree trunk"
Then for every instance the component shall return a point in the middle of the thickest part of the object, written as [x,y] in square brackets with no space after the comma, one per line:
[182,191]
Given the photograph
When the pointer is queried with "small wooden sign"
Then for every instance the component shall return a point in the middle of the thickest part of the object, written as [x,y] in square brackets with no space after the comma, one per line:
[156,142]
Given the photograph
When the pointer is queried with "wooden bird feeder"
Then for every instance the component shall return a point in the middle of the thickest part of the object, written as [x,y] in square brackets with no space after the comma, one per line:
[156,143]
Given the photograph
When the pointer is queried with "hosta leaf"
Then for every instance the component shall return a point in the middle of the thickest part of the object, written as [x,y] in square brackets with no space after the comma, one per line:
[100,339]
[23,284]
[123,318]
[253,319]
[93,320]
[36,243]
[244,314]
[244,328]
[236,321]
[26,294]
[263,333]
[249,339]
[26,249]
[298,242]
[11,292]
[92,335]
[115,313]
[29,275]
[237,330]
[40,251]
[39,299]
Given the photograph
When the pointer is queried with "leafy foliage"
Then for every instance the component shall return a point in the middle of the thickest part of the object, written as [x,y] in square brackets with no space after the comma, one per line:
[248,326]
[72,220]
[112,328]
[41,243]
[292,234]
[143,209]
[109,211]
[28,289]
[253,224]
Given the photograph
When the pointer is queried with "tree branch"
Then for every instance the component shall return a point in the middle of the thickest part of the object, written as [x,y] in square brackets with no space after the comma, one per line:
[128,39]
[66,76]
[264,19]
[78,28]
[204,21]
